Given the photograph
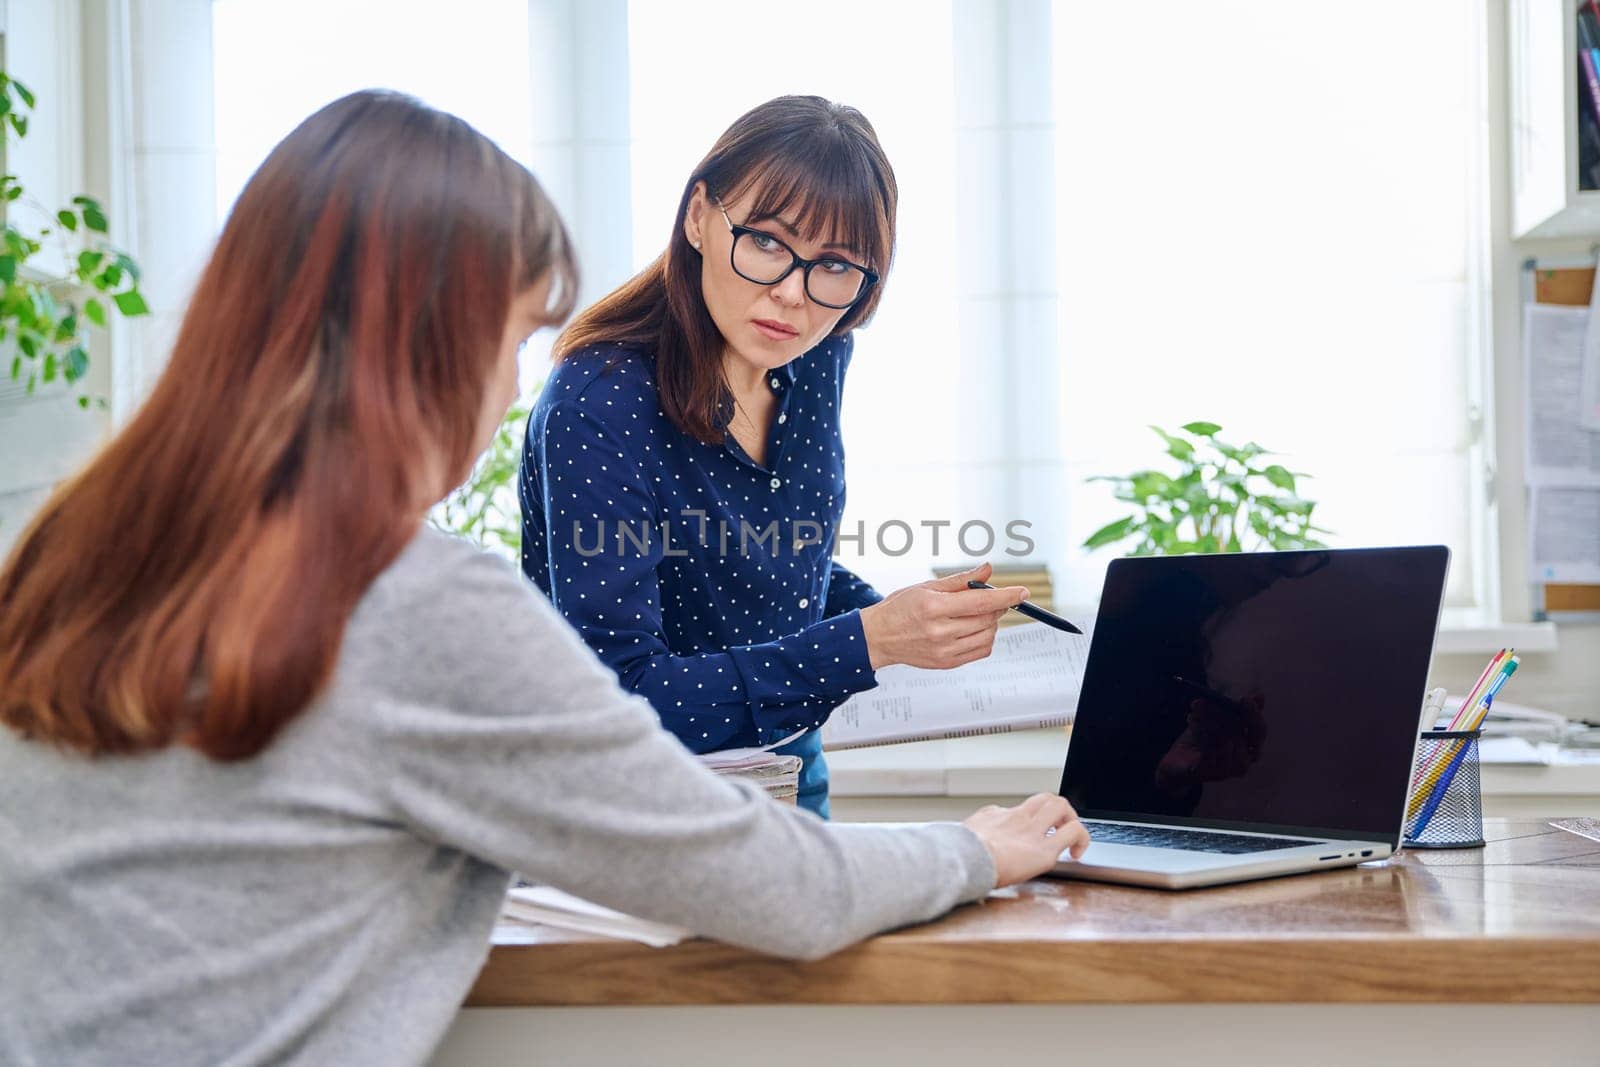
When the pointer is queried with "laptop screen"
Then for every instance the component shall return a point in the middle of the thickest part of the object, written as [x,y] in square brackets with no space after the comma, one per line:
[1272,691]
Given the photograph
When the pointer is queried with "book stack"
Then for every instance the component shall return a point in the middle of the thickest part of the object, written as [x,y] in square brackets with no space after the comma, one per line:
[1035,576]
[778,775]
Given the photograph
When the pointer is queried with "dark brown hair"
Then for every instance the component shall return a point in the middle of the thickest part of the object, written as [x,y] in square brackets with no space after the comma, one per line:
[192,584]
[804,153]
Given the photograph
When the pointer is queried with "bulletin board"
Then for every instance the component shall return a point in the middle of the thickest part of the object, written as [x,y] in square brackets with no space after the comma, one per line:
[1562,285]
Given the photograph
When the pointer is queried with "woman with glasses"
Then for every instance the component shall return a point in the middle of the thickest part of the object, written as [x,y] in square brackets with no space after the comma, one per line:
[683,476]
[271,747]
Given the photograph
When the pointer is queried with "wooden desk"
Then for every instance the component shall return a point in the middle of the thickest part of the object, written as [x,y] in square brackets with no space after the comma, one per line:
[1515,923]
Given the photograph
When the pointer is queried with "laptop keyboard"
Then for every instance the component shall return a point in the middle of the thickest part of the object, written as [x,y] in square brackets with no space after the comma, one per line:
[1116,833]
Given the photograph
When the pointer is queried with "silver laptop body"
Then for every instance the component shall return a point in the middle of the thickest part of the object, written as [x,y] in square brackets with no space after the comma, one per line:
[1248,715]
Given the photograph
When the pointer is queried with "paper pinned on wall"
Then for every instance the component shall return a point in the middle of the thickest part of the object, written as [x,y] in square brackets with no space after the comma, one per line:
[1589,378]
[1564,533]
[1561,450]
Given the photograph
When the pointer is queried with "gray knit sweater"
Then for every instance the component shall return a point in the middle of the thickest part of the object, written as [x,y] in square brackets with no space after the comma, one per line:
[331,900]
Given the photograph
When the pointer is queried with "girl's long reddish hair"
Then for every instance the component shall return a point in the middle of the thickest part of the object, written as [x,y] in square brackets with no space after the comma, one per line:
[801,154]
[192,584]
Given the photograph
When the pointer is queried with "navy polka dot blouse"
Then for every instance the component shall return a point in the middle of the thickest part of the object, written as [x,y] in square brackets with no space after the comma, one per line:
[706,580]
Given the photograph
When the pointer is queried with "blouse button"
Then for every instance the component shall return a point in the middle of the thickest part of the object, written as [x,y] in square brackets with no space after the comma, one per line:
[805,602]
[774,383]
[782,418]
[776,482]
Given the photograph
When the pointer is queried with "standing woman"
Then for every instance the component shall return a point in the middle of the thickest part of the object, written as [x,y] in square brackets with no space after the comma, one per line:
[683,476]
[270,747]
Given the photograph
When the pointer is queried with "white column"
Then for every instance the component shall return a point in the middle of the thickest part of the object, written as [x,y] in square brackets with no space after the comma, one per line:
[167,155]
[1009,307]
[579,61]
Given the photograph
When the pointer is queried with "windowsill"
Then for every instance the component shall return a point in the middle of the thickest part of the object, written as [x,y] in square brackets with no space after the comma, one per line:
[1465,632]
[1030,761]
[1462,631]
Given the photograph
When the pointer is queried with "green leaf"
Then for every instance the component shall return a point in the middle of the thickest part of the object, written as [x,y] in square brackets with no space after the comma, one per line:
[23,91]
[16,367]
[19,123]
[1147,484]
[50,367]
[94,218]
[95,310]
[77,363]
[131,303]
[1202,429]
[83,402]
[29,346]
[68,219]
[13,192]
[1280,477]
[1177,447]
[1111,531]
[8,269]
[67,327]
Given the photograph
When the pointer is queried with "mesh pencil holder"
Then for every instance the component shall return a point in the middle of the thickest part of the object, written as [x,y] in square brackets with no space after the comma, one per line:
[1445,809]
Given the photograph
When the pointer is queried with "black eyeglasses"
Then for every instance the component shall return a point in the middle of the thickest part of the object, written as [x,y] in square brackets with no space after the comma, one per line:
[759,257]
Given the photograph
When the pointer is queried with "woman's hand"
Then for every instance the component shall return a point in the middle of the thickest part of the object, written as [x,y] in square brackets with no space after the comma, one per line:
[938,624]
[1027,840]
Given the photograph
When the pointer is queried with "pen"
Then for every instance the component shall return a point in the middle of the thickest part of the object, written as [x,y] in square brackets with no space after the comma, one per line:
[1439,789]
[1039,614]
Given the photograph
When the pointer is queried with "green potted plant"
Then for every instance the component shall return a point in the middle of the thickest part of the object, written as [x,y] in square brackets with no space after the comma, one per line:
[43,313]
[484,508]
[1222,499]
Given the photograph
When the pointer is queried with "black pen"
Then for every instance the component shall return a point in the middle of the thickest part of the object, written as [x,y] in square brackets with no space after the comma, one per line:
[1038,614]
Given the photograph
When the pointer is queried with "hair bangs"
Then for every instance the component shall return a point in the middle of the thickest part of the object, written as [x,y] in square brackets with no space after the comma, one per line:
[828,198]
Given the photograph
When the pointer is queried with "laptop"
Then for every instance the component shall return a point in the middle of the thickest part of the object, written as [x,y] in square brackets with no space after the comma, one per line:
[1247,715]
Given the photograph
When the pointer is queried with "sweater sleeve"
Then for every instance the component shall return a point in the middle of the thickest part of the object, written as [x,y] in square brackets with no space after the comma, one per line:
[512,743]
[605,547]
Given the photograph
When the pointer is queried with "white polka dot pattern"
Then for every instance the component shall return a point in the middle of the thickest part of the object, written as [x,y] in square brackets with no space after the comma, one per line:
[655,547]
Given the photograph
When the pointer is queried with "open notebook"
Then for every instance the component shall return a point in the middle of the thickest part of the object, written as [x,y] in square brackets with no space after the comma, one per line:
[1030,681]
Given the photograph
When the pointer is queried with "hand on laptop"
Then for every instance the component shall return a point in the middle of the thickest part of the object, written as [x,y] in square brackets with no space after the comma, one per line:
[1027,840]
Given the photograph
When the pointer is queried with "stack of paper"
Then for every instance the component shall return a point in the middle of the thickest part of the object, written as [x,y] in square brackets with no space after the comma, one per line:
[778,775]
[547,906]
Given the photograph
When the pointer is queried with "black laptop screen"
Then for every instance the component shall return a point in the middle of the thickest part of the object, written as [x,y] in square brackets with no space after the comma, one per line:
[1276,691]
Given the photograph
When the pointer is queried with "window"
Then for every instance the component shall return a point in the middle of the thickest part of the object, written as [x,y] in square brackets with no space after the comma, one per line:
[277,61]
[1270,217]
[695,67]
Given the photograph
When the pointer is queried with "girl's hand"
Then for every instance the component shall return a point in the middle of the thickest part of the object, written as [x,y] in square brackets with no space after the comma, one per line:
[1027,840]
[938,624]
